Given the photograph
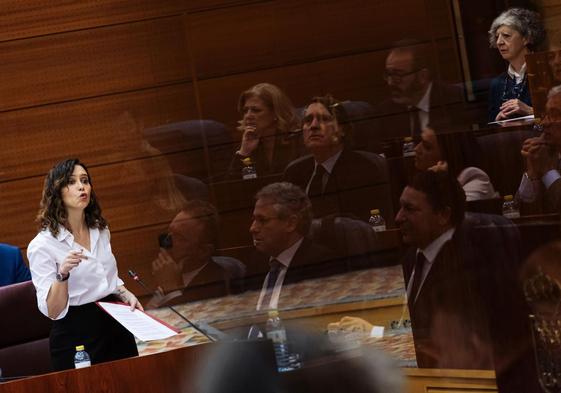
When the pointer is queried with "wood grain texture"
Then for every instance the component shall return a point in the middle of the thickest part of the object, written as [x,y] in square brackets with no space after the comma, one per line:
[98,131]
[41,17]
[266,35]
[133,194]
[170,371]
[92,62]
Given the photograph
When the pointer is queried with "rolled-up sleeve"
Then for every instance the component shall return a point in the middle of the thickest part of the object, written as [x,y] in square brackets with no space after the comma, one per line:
[43,273]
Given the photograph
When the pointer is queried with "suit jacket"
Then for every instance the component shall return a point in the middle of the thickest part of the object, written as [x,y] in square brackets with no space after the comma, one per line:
[12,267]
[311,260]
[357,184]
[392,120]
[446,317]
[471,305]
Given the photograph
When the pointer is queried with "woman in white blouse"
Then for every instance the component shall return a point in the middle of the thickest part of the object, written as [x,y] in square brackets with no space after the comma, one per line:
[72,267]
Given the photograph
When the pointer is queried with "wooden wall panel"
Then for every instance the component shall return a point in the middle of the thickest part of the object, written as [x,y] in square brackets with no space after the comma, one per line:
[270,34]
[98,131]
[129,192]
[29,18]
[92,62]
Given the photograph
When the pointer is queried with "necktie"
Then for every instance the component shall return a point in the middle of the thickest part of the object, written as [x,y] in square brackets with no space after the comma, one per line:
[417,277]
[414,121]
[275,267]
[316,184]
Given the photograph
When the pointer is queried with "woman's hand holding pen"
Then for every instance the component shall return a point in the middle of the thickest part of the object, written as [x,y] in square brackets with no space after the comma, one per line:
[71,260]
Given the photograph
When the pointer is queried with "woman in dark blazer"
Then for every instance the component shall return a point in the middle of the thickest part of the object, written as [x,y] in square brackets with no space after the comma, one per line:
[515,33]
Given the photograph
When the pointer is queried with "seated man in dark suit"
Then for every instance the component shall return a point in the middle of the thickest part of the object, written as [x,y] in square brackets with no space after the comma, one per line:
[186,258]
[461,279]
[12,267]
[281,219]
[445,310]
[416,99]
[338,180]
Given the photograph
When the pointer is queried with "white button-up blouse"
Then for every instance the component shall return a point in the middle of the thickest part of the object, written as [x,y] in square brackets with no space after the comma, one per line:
[93,279]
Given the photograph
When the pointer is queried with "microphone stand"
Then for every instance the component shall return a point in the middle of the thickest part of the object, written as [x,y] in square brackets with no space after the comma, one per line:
[136,278]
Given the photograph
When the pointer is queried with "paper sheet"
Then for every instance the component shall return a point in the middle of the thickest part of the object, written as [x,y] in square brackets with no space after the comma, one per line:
[528,118]
[140,324]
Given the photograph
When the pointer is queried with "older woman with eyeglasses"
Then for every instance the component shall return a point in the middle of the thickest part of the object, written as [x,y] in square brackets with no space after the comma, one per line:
[515,33]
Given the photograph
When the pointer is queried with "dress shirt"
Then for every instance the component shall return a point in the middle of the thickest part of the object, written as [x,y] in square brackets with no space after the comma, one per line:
[93,279]
[518,76]
[430,252]
[424,108]
[328,166]
[284,258]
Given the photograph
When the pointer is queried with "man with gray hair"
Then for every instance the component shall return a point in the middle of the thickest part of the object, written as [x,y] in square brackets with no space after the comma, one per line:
[541,184]
[280,222]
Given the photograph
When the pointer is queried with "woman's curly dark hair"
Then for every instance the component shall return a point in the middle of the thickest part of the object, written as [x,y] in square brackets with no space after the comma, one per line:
[52,212]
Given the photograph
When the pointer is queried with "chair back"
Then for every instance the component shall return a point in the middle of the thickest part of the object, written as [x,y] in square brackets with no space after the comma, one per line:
[24,342]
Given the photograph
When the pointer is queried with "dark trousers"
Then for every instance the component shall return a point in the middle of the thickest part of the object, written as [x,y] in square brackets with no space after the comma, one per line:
[103,337]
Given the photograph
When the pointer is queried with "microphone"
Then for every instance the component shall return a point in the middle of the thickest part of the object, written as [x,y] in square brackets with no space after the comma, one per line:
[136,278]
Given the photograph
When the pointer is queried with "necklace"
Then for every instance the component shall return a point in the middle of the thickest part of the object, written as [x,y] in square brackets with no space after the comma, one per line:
[516,90]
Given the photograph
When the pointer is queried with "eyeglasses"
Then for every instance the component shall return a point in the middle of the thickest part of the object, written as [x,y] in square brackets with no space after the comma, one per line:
[322,119]
[397,77]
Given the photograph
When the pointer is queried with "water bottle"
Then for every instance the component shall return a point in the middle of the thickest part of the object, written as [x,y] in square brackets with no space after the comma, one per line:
[510,210]
[277,334]
[408,147]
[81,359]
[248,170]
[376,221]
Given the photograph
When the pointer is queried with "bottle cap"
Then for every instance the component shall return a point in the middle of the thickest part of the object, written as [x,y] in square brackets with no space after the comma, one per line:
[508,198]
[408,139]
[374,211]
[79,347]
[247,161]
[273,313]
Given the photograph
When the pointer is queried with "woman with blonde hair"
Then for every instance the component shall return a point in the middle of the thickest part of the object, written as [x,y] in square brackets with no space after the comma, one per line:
[268,124]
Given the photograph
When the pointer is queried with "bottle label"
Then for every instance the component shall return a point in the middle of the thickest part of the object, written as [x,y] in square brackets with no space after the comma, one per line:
[379,228]
[83,364]
[250,176]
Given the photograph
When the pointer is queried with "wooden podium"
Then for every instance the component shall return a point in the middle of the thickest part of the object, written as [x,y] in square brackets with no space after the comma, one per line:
[178,370]
[172,371]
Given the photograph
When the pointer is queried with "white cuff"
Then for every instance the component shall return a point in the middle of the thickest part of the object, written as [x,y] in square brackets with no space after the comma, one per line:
[550,177]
